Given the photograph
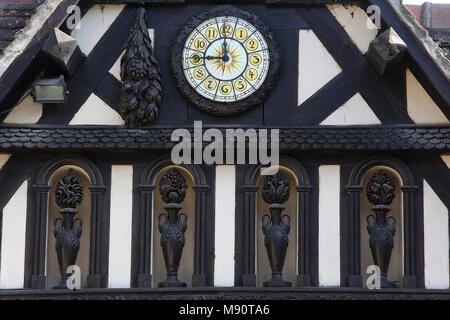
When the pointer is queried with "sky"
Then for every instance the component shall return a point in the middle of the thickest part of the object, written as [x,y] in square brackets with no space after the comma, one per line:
[422,1]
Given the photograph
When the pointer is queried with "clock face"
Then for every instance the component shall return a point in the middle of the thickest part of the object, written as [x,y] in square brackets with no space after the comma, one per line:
[226,59]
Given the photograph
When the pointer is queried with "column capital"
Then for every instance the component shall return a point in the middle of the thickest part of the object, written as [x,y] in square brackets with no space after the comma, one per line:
[201,187]
[249,188]
[97,189]
[146,187]
[41,188]
[354,188]
[304,188]
[409,189]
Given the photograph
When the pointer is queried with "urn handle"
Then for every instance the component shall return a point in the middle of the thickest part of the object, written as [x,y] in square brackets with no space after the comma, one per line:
[286,224]
[266,222]
[182,222]
[78,223]
[58,226]
[161,223]
[392,223]
[371,225]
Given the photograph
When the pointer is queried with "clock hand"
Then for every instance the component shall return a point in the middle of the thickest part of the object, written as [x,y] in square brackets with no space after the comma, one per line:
[198,57]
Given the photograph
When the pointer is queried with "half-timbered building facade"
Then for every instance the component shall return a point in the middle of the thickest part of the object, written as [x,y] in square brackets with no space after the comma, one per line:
[96,97]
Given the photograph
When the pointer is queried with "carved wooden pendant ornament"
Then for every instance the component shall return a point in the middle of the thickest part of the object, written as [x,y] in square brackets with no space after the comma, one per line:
[276,227]
[380,192]
[141,93]
[67,231]
[225,61]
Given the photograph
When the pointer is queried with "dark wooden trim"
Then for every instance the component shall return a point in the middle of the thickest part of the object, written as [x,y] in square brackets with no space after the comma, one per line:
[374,89]
[25,82]
[92,71]
[139,2]
[325,101]
[109,91]
[15,171]
[227,293]
[437,174]
[17,68]
[429,138]
[415,49]
[270,2]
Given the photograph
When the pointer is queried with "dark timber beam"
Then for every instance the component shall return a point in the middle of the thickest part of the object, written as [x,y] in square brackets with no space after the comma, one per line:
[109,91]
[15,171]
[375,90]
[101,59]
[22,62]
[325,101]
[415,37]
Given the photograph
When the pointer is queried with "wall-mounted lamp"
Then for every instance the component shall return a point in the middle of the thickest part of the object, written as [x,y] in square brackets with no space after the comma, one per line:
[50,90]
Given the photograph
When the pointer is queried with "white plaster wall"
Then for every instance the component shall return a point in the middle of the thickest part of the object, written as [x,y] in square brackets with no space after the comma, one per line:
[446,159]
[4,157]
[115,69]
[94,24]
[13,240]
[27,112]
[316,67]
[120,226]
[96,111]
[421,108]
[329,231]
[224,225]
[357,24]
[436,239]
[355,111]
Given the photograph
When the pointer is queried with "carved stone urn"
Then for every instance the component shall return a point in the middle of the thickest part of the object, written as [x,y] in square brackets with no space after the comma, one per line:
[380,192]
[172,228]
[276,227]
[67,231]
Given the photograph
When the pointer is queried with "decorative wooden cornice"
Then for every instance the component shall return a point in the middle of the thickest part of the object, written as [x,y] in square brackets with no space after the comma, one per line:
[326,138]
[272,2]
[229,294]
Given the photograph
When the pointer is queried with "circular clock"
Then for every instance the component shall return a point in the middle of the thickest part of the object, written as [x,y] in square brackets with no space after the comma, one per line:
[225,61]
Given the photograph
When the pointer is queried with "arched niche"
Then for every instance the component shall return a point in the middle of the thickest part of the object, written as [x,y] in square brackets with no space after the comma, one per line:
[186,269]
[84,212]
[290,270]
[395,272]
[38,221]
[411,231]
[146,246]
[248,226]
